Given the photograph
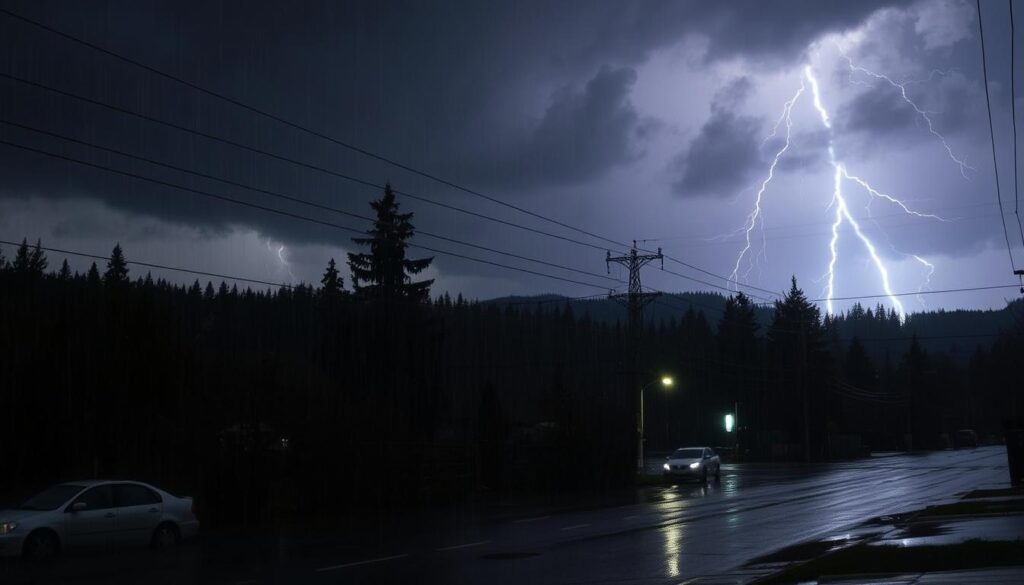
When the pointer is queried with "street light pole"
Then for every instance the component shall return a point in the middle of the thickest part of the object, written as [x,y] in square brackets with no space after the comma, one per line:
[667,382]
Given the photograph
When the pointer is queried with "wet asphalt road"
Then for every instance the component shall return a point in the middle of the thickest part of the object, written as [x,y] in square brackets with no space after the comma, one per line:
[659,535]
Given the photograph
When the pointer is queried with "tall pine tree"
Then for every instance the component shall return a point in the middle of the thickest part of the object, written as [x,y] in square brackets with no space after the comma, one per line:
[333,286]
[65,271]
[117,268]
[385,273]
[799,356]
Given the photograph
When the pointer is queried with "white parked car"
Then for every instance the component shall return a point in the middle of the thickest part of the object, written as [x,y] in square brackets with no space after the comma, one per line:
[693,462]
[95,514]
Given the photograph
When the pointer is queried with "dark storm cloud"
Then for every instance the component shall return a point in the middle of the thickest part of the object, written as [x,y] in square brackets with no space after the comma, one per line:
[582,134]
[877,112]
[722,158]
[437,85]
[765,32]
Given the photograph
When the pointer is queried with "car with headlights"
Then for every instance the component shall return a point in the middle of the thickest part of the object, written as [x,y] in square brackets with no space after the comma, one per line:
[692,462]
[95,514]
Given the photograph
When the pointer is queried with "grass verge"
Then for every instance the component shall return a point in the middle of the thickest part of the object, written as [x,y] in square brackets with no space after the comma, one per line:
[996,493]
[861,559]
[970,507]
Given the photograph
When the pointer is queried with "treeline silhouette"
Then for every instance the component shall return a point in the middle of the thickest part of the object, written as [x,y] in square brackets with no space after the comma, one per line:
[305,398]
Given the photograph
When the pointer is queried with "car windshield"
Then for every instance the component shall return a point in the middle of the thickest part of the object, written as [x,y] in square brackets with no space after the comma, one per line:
[52,498]
[688,454]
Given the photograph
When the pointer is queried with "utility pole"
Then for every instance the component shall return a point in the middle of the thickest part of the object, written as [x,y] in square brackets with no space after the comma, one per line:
[635,300]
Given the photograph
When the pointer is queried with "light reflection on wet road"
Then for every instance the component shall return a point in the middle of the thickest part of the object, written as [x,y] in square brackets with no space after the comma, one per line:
[664,535]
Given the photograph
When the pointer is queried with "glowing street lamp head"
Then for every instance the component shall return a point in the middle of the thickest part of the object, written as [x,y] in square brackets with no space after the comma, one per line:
[667,381]
[730,420]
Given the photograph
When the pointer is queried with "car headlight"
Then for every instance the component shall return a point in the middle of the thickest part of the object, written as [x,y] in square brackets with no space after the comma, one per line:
[7,527]
[695,465]
[666,467]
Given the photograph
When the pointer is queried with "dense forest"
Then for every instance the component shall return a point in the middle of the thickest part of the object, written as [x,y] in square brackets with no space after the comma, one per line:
[260,402]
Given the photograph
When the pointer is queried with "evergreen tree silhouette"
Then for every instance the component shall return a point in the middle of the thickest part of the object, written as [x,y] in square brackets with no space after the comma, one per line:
[65,271]
[22,259]
[117,269]
[37,262]
[332,284]
[385,273]
[93,276]
[796,345]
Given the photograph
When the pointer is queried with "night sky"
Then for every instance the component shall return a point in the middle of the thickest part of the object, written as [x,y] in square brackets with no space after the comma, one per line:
[632,120]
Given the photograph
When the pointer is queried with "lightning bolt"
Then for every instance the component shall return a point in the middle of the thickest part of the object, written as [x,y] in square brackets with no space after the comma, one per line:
[284,261]
[902,87]
[927,278]
[839,203]
[879,195]
[843,214]
[755,215]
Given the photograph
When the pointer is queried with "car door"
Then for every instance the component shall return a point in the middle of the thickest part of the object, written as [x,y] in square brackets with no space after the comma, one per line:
[139,510]
[92,526]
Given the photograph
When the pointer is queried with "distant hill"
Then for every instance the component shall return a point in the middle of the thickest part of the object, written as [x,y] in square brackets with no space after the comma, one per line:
[956,332]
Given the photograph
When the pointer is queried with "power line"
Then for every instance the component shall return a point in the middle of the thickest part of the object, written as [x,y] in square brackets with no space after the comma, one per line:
[294,199]
[992,135]
[750,286]
[1013,117]
[286,159]
[158,266]
[722,288]
[302,128]
[923,292]
[292,215]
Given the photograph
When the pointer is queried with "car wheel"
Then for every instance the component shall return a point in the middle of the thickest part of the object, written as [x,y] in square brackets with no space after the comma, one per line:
[718,472]
[165,536]
[41,545]
[704,474]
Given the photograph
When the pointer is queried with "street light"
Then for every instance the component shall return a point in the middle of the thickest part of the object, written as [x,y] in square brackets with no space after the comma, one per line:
[666,382]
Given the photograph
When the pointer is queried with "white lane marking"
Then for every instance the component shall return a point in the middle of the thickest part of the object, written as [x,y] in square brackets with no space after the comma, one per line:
[357,563]
[458,546]
[575,526]
[534,519]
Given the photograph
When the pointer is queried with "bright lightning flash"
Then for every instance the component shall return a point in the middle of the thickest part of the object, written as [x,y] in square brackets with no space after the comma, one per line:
[755,215]
[927,278]
[284,261]
[839,202]
[902,87]
[843,214]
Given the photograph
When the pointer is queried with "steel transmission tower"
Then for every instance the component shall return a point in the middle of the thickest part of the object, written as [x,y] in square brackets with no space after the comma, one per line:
[635,300]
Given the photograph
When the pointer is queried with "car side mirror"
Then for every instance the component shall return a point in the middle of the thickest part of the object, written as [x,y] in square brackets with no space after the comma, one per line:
[78,506]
